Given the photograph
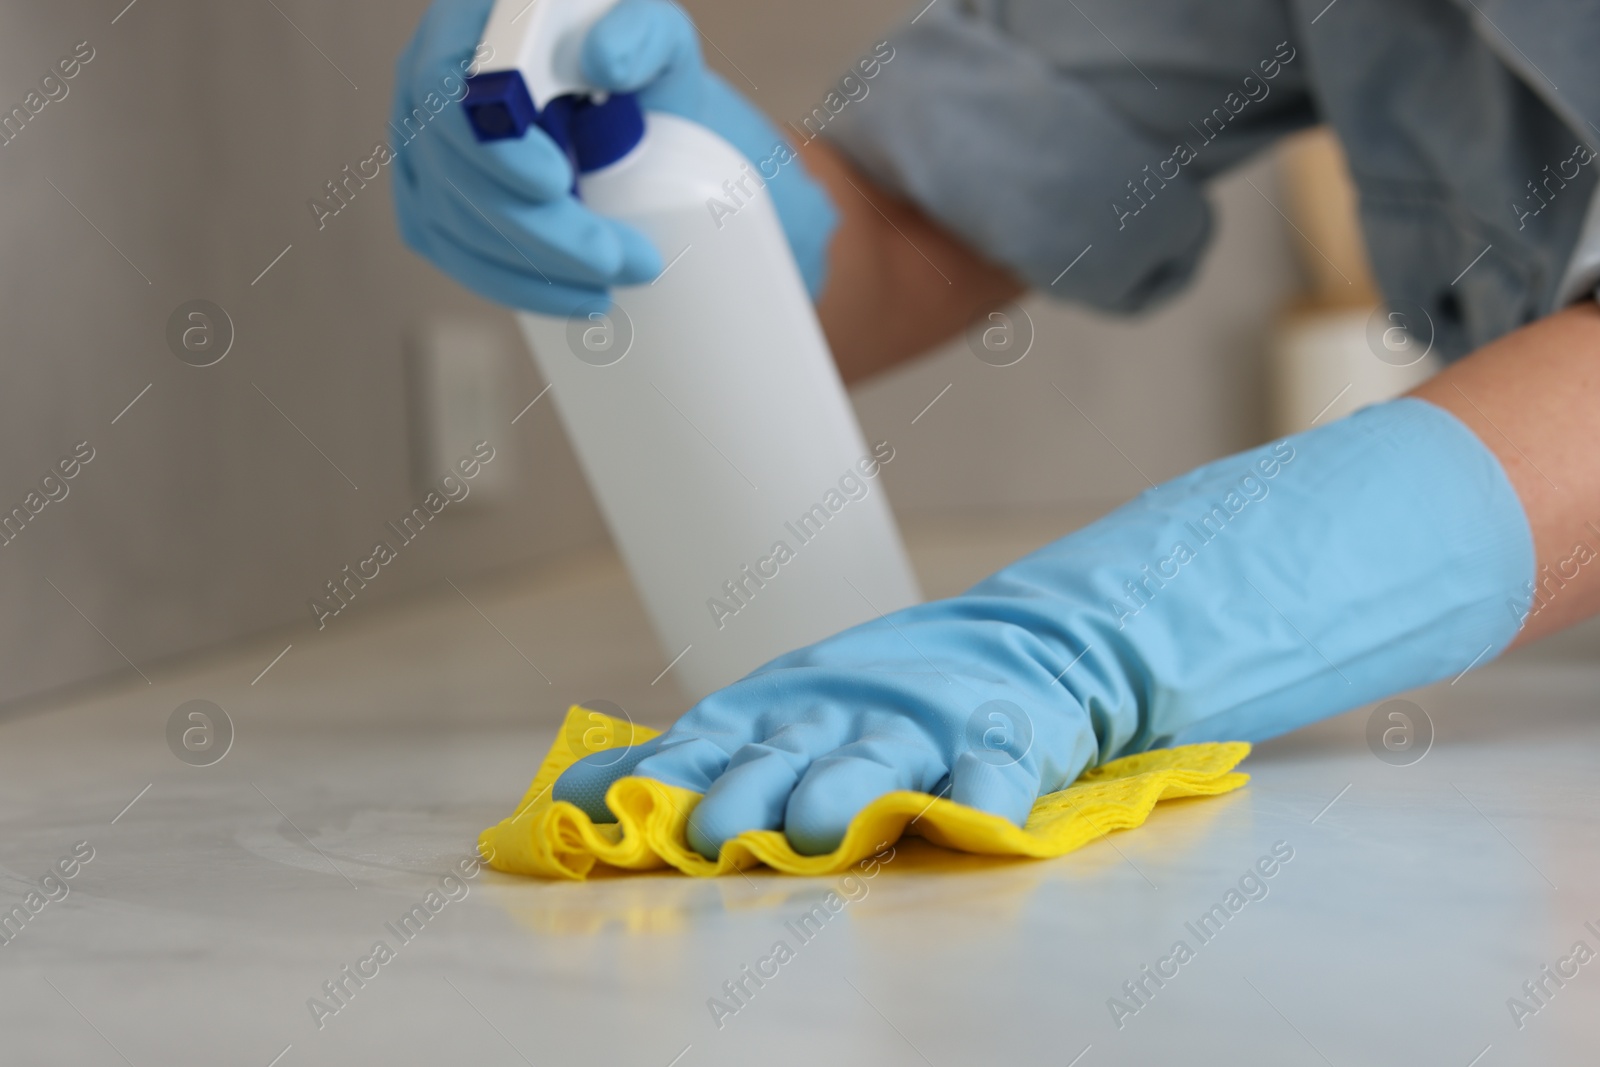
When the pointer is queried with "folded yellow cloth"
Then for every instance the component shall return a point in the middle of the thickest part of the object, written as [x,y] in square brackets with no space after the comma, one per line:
[555,839]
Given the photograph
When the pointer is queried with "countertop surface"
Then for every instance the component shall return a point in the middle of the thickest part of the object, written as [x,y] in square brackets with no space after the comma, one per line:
[1410,900]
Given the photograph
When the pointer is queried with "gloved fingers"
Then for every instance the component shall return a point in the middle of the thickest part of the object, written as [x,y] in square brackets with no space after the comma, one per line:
[840,784]
[700,745]
[649,47]
[527,168]
[513,288]
[565,242]
[430,75]
[687,762]
[561,240]
[430,83]
[444,43]
[641,260]
[750,795]
[999,786]
[752,791]
[585,782]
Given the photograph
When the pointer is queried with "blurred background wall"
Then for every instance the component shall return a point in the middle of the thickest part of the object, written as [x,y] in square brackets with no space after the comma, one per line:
[179,167]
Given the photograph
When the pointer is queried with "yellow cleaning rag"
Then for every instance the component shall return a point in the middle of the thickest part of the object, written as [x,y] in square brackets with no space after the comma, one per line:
[556,840]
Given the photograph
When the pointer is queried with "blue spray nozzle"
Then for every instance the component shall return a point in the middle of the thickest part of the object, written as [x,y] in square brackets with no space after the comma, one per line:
[594,133]
[498,105]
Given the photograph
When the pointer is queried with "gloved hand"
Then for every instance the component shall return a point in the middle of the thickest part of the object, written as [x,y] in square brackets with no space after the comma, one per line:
[1252,596]
[500,217]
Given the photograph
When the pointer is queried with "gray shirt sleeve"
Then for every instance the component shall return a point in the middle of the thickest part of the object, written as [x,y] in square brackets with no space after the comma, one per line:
[1582,277]
[1036,129]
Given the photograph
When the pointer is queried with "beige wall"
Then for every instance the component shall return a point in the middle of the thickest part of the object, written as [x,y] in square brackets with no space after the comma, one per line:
[192,141]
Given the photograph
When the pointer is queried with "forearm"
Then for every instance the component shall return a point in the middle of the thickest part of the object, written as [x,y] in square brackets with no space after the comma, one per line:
[898,283]
[1533,398]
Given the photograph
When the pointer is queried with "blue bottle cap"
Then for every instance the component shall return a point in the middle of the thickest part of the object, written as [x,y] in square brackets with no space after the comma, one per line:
[605,131]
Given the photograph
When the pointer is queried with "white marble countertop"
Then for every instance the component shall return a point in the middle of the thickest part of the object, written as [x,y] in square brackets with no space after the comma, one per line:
[1418,901]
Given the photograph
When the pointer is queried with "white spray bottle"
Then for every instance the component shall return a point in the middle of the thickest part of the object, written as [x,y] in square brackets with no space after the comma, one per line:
[705,408]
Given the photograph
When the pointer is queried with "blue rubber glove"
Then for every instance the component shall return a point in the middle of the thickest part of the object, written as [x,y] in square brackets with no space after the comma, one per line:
[1252,596]
[500,217]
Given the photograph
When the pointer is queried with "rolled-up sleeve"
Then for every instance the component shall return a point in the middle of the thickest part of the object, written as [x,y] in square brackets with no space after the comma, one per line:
[1051,135]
